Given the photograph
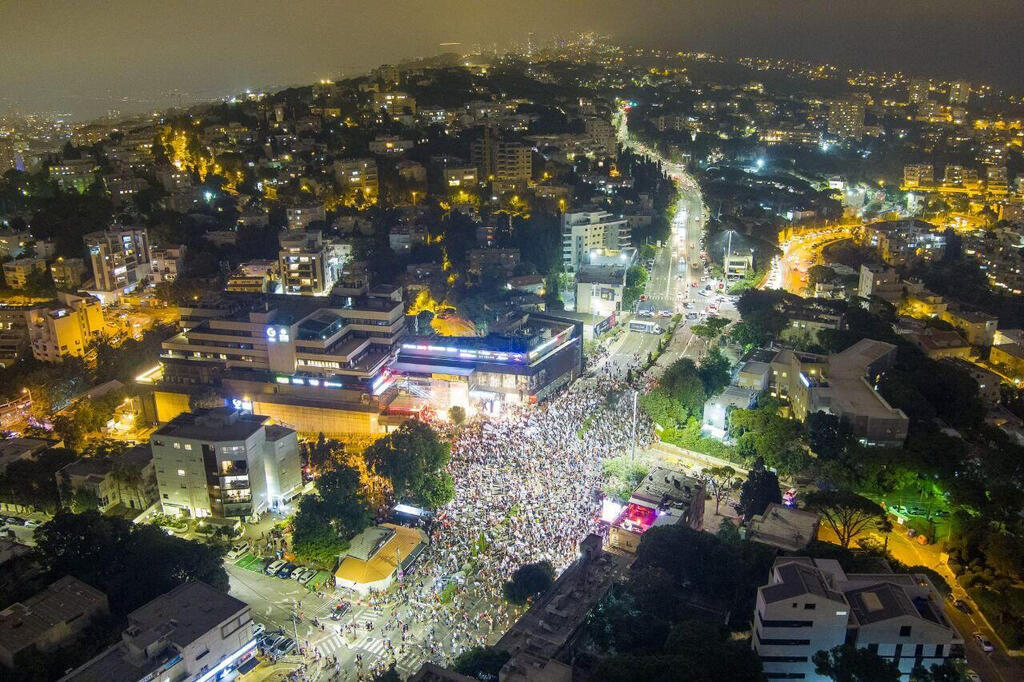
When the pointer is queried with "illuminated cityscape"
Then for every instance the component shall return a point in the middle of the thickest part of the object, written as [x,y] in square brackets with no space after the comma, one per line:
[572,356]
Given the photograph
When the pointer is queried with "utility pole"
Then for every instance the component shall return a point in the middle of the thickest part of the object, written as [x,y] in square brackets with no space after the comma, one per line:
[632,456]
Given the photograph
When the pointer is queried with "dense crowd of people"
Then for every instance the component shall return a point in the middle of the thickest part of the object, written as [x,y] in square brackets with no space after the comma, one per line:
[527,489]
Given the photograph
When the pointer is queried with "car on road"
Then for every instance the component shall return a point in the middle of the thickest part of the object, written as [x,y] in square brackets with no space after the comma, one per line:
[339,610]
[286,570]
[33,523]
[14,521]
[984,642]
[664,313]
[258,629]
[972,676]
[963,606]
[237,550]
[275,566]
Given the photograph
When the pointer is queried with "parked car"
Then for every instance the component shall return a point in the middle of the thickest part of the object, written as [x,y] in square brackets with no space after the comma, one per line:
[33,523]
[984,642]
[286,570]
[275,566]
[258,629]
[283,647]
[237,550]
[302,574]
[14,521]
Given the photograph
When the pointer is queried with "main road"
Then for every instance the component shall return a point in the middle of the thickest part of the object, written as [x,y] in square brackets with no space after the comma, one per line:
[674,283]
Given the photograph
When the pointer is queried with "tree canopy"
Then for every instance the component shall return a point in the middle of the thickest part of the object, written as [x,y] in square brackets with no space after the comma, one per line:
[529,581]
[848,663]
[413,459]
[848,514]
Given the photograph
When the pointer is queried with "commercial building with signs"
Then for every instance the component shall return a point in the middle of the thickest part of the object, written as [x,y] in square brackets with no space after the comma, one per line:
[524,363]
[812,605]
[191,634]
[317,364]
[223,462]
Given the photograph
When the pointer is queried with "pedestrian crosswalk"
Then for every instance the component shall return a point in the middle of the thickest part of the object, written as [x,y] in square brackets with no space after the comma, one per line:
[371,648]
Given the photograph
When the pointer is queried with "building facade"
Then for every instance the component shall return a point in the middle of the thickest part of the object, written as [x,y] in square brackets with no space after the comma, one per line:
[587,231]
[120,260]
[225,463]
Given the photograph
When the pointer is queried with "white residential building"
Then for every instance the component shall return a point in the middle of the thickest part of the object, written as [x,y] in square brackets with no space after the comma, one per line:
[812,605]
[120,260]
[310,264]
[224,462]
[586,231]
[167,262]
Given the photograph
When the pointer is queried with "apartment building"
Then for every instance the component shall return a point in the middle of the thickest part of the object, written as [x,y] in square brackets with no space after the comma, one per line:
[96,478]
[120,260]
[591,230]
[389,145]
[302,217]
[357,177]
[461,177]
[846,118]
[17,273]
[167,262]
[226,463]
[67,273]
[901,242]
[506,163]
[812,605]
[190,634]
[310,264]
[74,175]
[64,327]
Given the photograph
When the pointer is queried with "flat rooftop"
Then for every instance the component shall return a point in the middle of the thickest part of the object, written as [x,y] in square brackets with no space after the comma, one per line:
[215,424]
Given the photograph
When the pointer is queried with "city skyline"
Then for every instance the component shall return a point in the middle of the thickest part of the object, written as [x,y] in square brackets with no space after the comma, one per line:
[136,58]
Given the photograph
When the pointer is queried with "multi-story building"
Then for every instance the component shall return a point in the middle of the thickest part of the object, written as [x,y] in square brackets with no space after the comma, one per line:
[226,463]
[317,364]
[301,217]
[846,118]
[841,384]
[388,145]
[310,264]
[191,634]
[900,242]
[880,281]
[959,92]
[256,277]
[812,605]
[17,273]
[480,260]
[120,260]
[602,133]
[507,164]
[919,90]
[599,289]
[74,175]
[357,177]
[919,175]
[95,477]
[591,230]
[65,327]
[13,243]
[523,361]
[167,262]
[67,273]
[461,177]
[395,103]
[49,619]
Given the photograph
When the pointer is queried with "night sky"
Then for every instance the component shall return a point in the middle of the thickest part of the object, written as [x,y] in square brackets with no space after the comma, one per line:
[84,57]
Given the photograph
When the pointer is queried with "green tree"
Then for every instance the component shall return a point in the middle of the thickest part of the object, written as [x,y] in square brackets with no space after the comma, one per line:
[481,662]
[828,435]
[205,398]
[131,563]
[413,458]
[848,514]
[714,372]
[848,663]
[32,482]
[722,481]
[760,489]
[529,580]
[344,502]
[323,454]
[682,382]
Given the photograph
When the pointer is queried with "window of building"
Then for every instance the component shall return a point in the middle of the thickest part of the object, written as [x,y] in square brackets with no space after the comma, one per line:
[810,607]
[177,445]
[905,631]
[188,446]
[181,472]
